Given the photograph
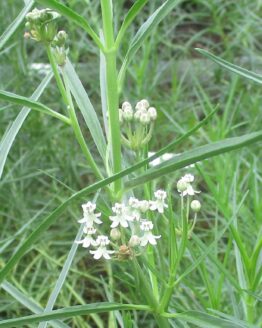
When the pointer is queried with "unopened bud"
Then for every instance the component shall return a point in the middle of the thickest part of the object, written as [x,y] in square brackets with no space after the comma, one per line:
[152,113]
[126,105]
[195,205]
[142,104]
[143,205]
[144,118]
[128,114]
[134,241]
[182,185]
[115,234]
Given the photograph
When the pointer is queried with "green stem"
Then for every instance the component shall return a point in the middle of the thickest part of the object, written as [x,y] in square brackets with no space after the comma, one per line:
[111,91]
[56,74]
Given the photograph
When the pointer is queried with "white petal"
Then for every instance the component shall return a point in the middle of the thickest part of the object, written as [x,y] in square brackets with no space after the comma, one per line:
[114,224]
[124,224]
[97,254]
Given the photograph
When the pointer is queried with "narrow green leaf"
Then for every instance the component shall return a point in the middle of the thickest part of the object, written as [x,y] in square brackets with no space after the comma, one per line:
[72,312]
[231,67]
[74,17]
[23,101]
[195,155]
[9,137]
[15,24]
[133,11]
[84,192]
[205,320]
[28,303]
[86,108]
[143,32]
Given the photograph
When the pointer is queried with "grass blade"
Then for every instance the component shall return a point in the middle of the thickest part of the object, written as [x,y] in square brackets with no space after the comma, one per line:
[205,320]
[195,155]
[20,100]
[133,11]
[74,17]
[28,303]
[86,108]
[231,67]
[143,32]
[9,137]
[72,312]
[15,24]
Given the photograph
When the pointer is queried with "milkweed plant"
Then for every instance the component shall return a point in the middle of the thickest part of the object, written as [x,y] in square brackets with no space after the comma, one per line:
[144,230]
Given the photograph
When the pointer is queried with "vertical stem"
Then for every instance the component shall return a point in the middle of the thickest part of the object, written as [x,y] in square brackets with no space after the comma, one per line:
[112,93]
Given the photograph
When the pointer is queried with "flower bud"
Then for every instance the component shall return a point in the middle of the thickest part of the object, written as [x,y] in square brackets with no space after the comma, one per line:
[142,104]
[152,113]
[181,185]
[143,205]
[195,205]
[126,105]
[134,241]
[115,234]
[120,115]
[144,118]
[128,114]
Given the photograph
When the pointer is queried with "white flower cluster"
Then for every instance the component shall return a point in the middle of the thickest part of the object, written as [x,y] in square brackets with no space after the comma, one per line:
[184,185]
[130,215]
[143,112]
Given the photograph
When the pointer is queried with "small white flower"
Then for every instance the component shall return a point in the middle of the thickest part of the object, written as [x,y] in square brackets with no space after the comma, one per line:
[148,237]
[102,251]
[122,216]
[188,178]
[133,202]
[88,240]
[89,216]
[159,204]
[184,185]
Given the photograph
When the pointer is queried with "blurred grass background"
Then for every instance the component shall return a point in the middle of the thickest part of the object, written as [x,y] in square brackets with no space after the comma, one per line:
[45,164]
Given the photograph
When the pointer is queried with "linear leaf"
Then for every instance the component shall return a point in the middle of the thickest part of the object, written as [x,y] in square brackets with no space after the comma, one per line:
[15,24]
[47,221]
[133,11]
[28,303]
[143,32]
[9,137]
[72,312]
[20,100]
[195,155]
[231,67]
[205,320]
[86,108]
[72,16]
